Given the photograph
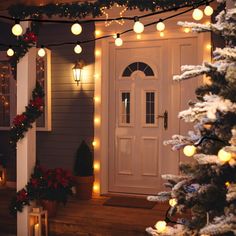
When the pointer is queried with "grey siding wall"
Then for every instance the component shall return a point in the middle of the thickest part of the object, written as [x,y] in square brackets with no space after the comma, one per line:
[72,105]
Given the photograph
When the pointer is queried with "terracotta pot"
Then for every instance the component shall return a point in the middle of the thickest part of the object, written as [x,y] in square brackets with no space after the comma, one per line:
[84,187]
[50,206]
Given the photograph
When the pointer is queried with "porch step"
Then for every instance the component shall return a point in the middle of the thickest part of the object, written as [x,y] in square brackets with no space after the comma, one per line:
[92,218]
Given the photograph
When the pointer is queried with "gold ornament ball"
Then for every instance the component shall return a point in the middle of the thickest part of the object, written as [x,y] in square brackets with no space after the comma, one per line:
[197,14]
[138,27]
[208,11]
[17,30]
[160,226]
[10,52]
[160,26]
[173,202]
[224,156]
[189,150]
[77,49]
[76,29]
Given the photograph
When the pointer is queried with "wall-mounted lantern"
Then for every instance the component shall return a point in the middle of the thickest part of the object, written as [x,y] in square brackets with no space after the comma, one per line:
[78,70]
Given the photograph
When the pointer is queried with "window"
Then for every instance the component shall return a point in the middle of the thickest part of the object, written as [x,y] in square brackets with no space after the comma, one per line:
[150,108]
[125,108]
[141,66]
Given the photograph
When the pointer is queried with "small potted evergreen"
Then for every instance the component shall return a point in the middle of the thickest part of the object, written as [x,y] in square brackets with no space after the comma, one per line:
[83,171]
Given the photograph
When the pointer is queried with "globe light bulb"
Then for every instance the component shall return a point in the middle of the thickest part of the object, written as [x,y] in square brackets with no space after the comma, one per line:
[41,52]
[173,202]
[138,27]
[197,14]
[160,226]
[208,11]
[189,150]
[160,26]
[76,29]
[224,156]
[118,41]
[10,52]
[17,29]
[78,49]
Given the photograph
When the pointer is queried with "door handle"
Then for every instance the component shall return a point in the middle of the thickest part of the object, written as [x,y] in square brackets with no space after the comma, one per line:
[165,117]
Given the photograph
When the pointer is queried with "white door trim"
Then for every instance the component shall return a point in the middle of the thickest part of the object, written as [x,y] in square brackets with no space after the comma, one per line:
[102,92]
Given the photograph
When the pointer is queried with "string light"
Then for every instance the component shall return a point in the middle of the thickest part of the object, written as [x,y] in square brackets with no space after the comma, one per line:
[160,226]
[78,49]
[197,14]
[208,11]
[98,33]
[160,26]
[17,28]
[227,184]
[189,150]
[41,52]
[138,26]
[224,156]
[118,41]
[173,202]
[10,52]
[76,28]
[208,46]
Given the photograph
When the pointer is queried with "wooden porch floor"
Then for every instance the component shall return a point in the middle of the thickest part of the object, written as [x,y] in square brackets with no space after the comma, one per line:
[89,218]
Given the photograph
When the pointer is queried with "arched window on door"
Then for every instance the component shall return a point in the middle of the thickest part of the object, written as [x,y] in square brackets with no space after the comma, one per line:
[138,66]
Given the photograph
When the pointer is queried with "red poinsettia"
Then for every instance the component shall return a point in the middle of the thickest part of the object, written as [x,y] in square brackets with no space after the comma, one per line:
[22,195]
[19,119]
[30,37]
[37,102]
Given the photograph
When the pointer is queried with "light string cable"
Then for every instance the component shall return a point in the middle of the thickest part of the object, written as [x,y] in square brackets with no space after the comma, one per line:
[106,36]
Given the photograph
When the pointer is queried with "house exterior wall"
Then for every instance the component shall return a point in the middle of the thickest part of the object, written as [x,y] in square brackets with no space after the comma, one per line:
[72,105]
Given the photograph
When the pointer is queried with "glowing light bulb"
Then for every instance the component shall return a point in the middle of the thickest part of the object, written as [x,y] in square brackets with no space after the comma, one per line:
[98,32]
[96,166]
[224,156]
[98,53]
[94,143]
[186,30]
[97,120]
[76,29]
[208,11]
[78,49]
[227,184]
[97,99]
[17,29]
[197,14]
[208,46]
[160,226]
[10,52]
[160,26]
[138,27]
[173,202]
[189,150]
[96,187]
[41,52]
[118,41]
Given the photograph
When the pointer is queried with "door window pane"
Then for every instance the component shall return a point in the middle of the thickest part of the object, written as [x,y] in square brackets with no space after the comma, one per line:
[125,107]
[150,108]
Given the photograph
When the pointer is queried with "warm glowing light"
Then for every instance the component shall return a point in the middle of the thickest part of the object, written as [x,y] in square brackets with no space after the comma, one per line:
[97,99]
[208,46]
[76,29]
[78,49]
[41,52]
[207,22]
[98,53]
[118,41]
[162,34]
[173,202]
[197,14]
[189,150]
[160,26]
[138,27]
[98,33]
[96,187]
[208,11]
[160,226]
[97,120]
[186,30]
[227,184]
[224,156]
[94,143]
[96,166]
[10,52]
[17,29]
[138,36]
[96,76]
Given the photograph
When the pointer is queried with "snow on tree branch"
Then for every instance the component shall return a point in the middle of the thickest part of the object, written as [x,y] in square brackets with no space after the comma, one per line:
[231,195]
[203,159]
[225,53]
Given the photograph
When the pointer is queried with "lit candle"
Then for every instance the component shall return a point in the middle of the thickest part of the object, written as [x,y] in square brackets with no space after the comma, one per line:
[36,230]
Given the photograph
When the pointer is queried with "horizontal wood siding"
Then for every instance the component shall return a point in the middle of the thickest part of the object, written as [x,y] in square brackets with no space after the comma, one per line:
[72,105]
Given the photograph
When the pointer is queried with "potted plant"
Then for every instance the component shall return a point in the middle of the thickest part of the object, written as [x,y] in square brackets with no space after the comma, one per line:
[50,187]
[83,171]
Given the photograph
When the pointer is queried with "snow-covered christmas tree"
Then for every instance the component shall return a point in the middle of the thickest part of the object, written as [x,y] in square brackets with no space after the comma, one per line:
[206,188]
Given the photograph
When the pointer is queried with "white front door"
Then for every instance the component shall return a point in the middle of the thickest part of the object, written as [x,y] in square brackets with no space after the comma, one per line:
[139,87]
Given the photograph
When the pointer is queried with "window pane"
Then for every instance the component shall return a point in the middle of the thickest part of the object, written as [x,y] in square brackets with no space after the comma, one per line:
[125,108]
[150,108]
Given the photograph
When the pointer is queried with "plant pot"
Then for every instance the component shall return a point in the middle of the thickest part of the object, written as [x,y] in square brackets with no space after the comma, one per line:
[84,187]
[50,206]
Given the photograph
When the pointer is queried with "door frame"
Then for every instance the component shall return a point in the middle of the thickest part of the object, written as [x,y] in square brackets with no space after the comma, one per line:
[101,95]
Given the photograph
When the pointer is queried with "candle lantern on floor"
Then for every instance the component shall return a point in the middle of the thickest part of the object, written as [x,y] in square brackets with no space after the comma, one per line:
[2,175]
[38,222]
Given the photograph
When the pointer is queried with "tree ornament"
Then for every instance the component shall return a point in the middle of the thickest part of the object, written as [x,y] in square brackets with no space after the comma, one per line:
[224,156]
[160,226]
[189,150]
[173,202]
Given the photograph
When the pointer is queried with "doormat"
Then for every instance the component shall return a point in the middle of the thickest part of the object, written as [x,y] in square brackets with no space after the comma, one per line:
[129,202]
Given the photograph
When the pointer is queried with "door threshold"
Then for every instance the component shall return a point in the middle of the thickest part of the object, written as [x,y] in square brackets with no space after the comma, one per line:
[117,194]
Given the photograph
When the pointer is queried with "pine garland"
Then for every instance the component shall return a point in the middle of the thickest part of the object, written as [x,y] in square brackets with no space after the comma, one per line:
[23,122]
